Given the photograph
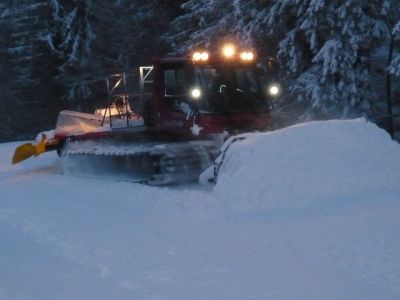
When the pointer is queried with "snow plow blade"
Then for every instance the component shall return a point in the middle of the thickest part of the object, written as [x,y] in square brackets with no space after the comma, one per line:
[29,149]
[25,151]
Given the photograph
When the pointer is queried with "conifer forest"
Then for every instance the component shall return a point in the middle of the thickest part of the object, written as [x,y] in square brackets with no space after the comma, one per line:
[337,59]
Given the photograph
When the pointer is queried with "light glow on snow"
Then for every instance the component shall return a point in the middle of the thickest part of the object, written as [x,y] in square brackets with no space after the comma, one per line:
[195,129]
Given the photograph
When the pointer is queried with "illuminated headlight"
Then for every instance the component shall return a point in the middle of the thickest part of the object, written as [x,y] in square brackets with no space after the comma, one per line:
[274,89]
[195,93]
[200,56]
[204,56]
[228,50]
[196,56]
[247,56]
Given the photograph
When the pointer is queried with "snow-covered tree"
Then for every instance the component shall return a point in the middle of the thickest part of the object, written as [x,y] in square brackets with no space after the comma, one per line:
[6,72]
[325,48]
[94,40]
[209,23]
[29,64]
[71,40]
[395,66]
[56,54]
[138,36]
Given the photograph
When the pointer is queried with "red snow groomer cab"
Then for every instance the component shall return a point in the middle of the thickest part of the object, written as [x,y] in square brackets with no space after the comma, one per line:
[173,130]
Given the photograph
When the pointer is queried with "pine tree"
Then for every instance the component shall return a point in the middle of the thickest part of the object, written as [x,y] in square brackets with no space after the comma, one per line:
[395,65]
[6,73]
[71,41]
[393,105]
[138,36]
[31,67]
[96,40]
[325,49]
[209,24]
[204,24]
[56,54]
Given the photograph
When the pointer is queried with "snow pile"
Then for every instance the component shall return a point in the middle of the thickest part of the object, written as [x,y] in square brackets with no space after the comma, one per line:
[309,212]
[309,164]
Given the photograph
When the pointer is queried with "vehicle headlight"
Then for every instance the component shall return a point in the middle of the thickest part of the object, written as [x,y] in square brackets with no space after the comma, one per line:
[195,93]
[200,56]
[196,56]
[204,56]
[274,89]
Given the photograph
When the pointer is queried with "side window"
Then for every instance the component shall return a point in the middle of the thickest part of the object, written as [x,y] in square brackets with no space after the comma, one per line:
[175,82]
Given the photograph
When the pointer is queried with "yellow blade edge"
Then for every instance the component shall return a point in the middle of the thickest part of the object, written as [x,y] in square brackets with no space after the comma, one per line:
[40,147]
[29,149]
[23,152]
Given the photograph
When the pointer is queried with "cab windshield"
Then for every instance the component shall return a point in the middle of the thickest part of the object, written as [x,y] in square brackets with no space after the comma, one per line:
[219,89]
[228,89]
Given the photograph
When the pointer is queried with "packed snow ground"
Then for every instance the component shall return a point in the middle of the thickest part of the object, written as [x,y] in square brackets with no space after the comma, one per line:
[307,212]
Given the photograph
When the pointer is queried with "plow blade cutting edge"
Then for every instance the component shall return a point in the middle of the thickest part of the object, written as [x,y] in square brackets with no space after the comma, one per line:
[30,149]
[27,150]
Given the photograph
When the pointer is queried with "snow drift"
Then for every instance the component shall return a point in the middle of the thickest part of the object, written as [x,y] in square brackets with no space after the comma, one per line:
[309,212]
[310,163]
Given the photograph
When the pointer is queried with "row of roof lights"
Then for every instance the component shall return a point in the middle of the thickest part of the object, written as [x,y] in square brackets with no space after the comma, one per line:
[200,56]
[228,51]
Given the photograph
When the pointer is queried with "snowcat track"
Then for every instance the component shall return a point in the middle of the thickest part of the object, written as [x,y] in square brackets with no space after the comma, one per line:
[151,163]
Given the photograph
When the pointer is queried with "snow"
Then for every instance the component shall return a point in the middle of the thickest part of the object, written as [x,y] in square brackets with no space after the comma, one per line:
[49,135]
[307,212]
[195,129]
[311,163]
[185,108]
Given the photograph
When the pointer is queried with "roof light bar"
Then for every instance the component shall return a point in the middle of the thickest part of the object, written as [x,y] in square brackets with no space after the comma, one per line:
[204,56]
[200,56]
[247,56]
[229,50]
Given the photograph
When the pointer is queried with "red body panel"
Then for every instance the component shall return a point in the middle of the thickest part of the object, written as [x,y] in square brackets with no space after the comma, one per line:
[212,123]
